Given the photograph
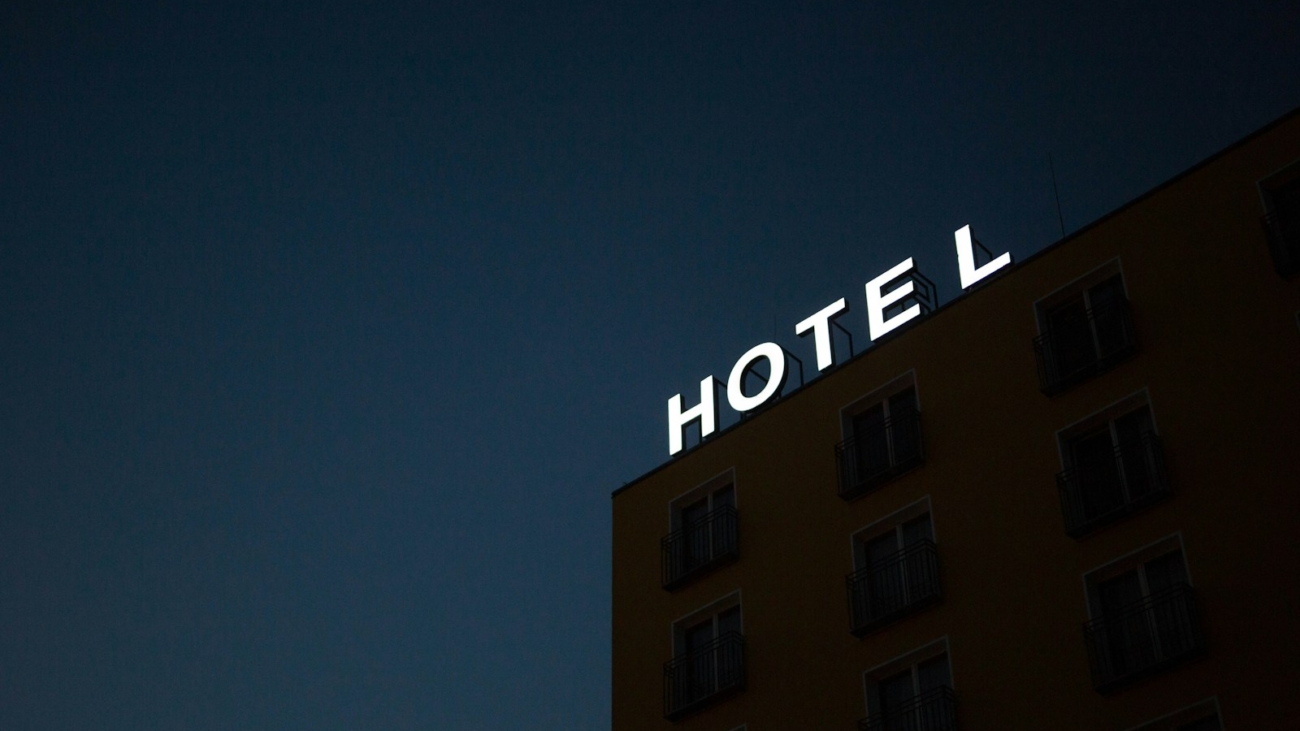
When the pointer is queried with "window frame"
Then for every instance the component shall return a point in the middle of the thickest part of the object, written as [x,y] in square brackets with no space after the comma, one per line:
[1107,416]
[1102,629]
[678,628]
[916,596]
[706,489]
[1082,285]
[1136,558]
[892,522]
[674,575]
[911,659]
[694,618]
[879,396]
[1286,263]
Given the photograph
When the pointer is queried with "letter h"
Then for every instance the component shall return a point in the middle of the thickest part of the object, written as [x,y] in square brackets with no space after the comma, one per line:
[706,411]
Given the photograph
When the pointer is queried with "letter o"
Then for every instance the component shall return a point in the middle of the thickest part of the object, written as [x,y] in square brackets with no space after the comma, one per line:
[735,393]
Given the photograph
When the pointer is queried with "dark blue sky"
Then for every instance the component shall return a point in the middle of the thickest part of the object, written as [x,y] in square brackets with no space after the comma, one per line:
[327,330]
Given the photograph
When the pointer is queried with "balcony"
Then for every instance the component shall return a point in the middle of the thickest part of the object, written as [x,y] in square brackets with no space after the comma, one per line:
[705,676]
[868,460]
[934,710]
[1144,638]
[1077,349]
[1283,233]
[904,583]
[698,547]
[1096,493]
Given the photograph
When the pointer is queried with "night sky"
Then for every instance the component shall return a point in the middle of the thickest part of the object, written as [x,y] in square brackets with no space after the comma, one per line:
[327,330]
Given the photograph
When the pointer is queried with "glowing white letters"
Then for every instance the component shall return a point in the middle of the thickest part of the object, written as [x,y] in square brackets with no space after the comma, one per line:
[966,260]
[878,302]
[706,411]
[775,380]
[820,324]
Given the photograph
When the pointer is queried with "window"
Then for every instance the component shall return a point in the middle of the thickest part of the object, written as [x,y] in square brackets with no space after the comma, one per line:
[1145,617]
[1203,716]
[884,439]
[708,658]
[1085,329]
[897,569]
[913,693]
[703,535]
[1114,465]
[1281,193]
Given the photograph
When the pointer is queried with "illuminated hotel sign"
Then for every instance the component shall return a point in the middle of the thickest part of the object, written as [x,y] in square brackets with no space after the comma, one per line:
[883,316]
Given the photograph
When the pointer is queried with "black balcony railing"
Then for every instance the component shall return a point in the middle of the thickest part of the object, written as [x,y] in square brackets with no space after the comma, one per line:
[1073,350]
[1098,492]
[1144,638]
[1283,233]
[704,676]
[906,582]
[868,460]
[934,710]
[698,547]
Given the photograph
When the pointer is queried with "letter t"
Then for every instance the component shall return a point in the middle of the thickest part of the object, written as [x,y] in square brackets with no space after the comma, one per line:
[820,324]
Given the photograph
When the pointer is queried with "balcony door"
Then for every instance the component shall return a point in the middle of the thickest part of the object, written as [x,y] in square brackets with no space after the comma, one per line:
[897,575]
[703,536]
[1140,632]
[884,434]
[1087,327]
[1112,463]
[708,668]
[904,698]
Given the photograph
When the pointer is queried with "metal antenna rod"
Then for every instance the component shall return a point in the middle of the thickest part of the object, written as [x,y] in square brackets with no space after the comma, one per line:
[1056,193]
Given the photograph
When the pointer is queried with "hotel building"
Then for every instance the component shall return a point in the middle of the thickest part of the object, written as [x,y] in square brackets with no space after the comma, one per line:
[1067,499]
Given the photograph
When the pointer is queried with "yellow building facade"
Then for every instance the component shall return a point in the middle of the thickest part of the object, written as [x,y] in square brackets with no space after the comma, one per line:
[1068,499]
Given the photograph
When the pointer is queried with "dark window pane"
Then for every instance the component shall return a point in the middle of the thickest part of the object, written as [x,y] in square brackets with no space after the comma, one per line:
[699,635]
[1131,427]
[1126,635]
[881,550]
[1108,319]
[1165,572]
[1286,206]
[1120,592]
[695,534]
[904,432]
[869,420]
[729,621]
[933,674]
[725,496]
[885,582]
[1106,294]
[1091,451]
[903,402]
[915,531]
[1092,456]
[896,691]
[694,512]
[871,442]
[1136,459]
[917,567]
[1070,346]
[722,525]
